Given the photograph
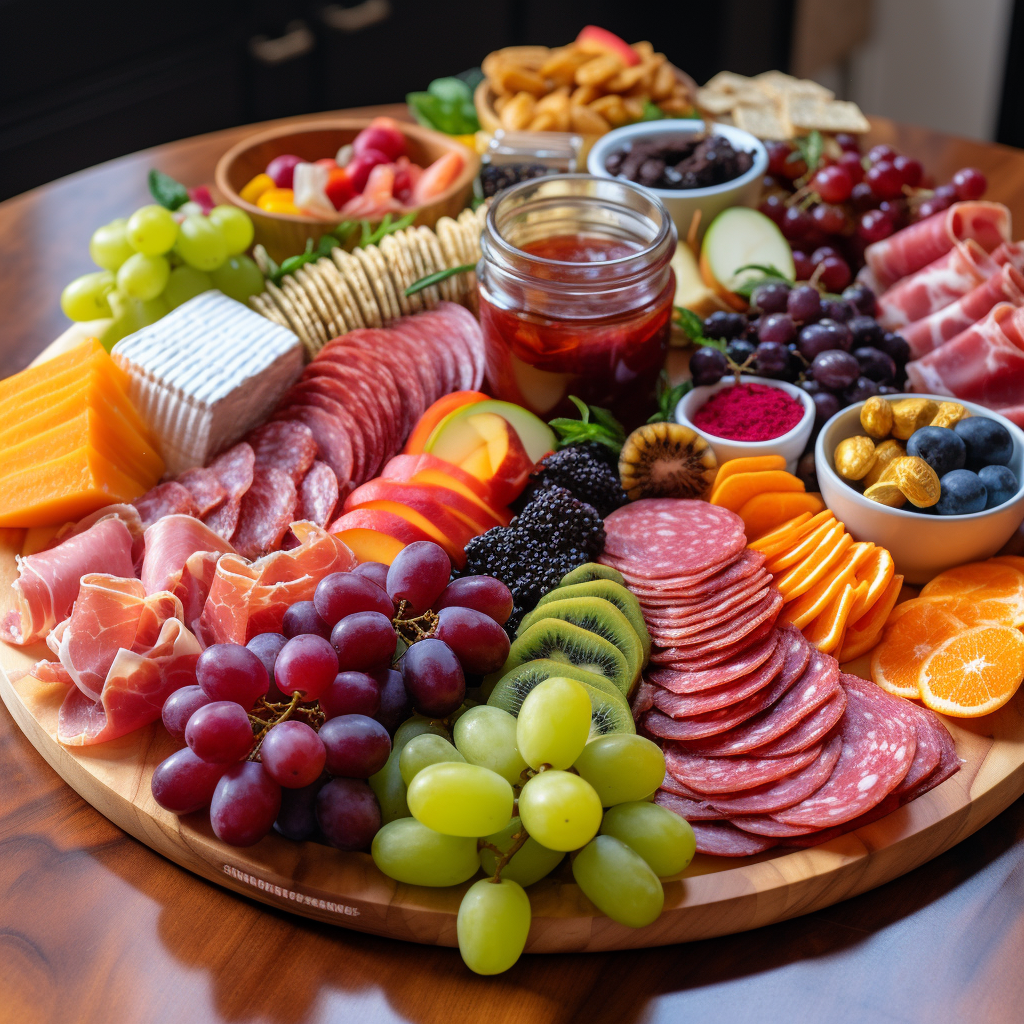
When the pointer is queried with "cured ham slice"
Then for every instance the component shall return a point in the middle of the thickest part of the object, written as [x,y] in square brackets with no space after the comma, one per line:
[907,251]
[936,286]
[1014,413]
[247,598]
[48,581]
[1009,252]
[983,364]
[170,543]
[126,653]
[932,331]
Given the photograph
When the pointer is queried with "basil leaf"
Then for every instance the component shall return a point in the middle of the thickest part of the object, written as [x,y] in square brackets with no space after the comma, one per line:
[691,324]
[166,191]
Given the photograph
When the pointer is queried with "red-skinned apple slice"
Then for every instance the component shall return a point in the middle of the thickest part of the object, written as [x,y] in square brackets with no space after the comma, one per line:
[452,442]
[501,461]
[427,469]
[375,536]
[593,39]
[437,412]
[428,499]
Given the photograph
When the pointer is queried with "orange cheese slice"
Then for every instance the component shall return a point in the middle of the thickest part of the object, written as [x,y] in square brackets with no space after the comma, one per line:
[862,634]
[817,565]
[828,629]
[59,372]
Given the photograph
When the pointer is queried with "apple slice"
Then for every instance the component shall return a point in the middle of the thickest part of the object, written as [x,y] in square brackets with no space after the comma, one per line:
[736,238]
[434,502]
[375,536]
[451,442]
[427,469]
[593,39]
[691,291]
[501,462]
[437,412]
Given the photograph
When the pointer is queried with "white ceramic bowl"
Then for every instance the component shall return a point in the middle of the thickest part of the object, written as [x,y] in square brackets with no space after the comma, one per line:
[921,544]
[789,445]
[682,202]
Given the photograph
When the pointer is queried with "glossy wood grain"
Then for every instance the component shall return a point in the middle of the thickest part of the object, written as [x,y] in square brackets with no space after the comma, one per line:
[95,927]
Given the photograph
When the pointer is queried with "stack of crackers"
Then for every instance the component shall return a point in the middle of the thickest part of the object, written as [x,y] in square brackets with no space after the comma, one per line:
[774,105]
[366,287]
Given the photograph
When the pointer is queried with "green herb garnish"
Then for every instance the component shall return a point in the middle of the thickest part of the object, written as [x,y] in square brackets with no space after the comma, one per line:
[166,191]
[693,328]
[667,397]
[809,148]
[440,275]
[594,424]
[447,105]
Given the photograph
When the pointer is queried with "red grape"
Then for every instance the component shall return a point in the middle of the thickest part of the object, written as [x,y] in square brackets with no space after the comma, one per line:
[970,183]
[282,169]
[480,644]
[885,180]
[823,252]
[826,405]
[774,207]
[343,593]
[266,647]
[835,369]
[178,709]
[910,170]
[777,327]
[850,162]
[796,223]
[486,594]
[769,298]
[874,226]
[848,143]
[232,672]
[804,304]
[376,571]
[292,754]
[833,184]
[307,664]
[245,804]
[877,365]
[947,194]
[834,273]
[297,818]
[802,265]
[881,152]
[828,218]
[364,640]
[778,153]
[389,140]
[183,783]
[434,678]
[862,298]
[895,210]
[862,198]
[771,357]
[395,707]
[357,746]
[302,617]
[930,207]
[219,732]
[419,575]
[351,693]
[348,814]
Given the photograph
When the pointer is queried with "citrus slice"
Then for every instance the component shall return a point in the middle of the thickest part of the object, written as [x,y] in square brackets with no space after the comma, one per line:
[907,642]
[974,672]
[862,634]
[994,590]
[1014,561]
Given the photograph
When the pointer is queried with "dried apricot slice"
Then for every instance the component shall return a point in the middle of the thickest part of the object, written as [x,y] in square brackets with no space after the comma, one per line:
[828,629]
[802,548]
[974,672]
[811,604]
[751,464]
[907,642]
[862,634]
[735,491]
[763,512]
[877,570]
[817,565]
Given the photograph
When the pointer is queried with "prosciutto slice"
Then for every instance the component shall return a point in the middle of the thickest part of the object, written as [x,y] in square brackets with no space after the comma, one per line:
[126,652]
[932,331]
[1014,413]
[936,286]
[907,251]
[170,543]
[983,364]
[247,598]
[48,581]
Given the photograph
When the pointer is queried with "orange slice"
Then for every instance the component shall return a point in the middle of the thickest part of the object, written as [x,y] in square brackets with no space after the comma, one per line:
[877,571]
[828,629]
[1014,561]
[974,672]
[982,582]
[908,642]
[862,634]
[803,547]
[817,565]
[785,536]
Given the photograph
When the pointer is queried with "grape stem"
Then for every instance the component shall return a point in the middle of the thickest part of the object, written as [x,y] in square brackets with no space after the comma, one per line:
[280,713]
[518,841]
[418,627]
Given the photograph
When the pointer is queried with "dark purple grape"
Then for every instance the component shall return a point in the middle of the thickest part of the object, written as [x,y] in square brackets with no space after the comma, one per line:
[862,298]
[804,304]
[266,647]
[351,693]
[839,333]
[179,708]
[826,405]
[770,297]
[802,266]
[835,369]
[344,593]
[721,324]
[875,364]
[837,309]
[302,617]
[297,818]
[739,351]
[364,640]
[750,334]
[777,327]
[357,746]
[865,331]
[814,339]
[861,390]
[895,345]
[245,804]
[376,571]
[707,366]
[348,814]
[183,783]
[772,357]
[888,389]
[433,677]
[486,594]
[395,706]
[480,644]
[812,387]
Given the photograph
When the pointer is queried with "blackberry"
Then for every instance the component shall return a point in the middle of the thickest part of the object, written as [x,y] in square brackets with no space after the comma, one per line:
[496,177]
[587,474]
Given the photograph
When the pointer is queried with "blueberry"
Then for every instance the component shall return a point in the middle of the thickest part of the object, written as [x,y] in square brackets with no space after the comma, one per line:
[962,493]
[939,447]
[1000,483]
[988,443]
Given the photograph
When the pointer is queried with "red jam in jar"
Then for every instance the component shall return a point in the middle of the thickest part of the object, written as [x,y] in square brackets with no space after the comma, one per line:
[576,295]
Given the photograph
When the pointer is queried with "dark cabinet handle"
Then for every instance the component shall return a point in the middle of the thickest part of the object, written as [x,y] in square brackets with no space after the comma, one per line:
[297,41]
[358,18]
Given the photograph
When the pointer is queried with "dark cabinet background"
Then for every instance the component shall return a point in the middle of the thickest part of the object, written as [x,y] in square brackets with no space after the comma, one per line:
[85,82]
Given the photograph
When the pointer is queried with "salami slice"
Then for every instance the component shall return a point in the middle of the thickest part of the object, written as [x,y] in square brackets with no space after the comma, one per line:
[410,389]
[685,807]
[206,490]
[736,572]
[949,765]
[286,445]
[167,499]
[466,327]
[720,839]
[877,754]
[332,440]
[666,581]
[303,395]
[234,470]
[718,675]
[694,660]
[731,774]
[426,335]
[388,378]
[318,495]
[710,618]
[729,634]
[809,730]
[675,610]
[766,825]
[643,700]
[268,509]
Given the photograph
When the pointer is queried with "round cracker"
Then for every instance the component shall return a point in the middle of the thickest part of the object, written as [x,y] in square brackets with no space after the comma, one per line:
[302,303]
[295,322]
[472,225]
[322,299]
[380,281]
[428,240]
[394,257]
[450,243]
[430,296]
[352,270]
[333,280]
[405,248]
[266,308]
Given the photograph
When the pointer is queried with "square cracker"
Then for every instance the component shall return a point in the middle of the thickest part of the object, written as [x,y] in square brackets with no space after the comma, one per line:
[765,122]
[837,116]
[728,81]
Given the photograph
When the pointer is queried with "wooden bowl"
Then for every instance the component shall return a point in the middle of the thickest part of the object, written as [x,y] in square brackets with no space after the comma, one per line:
[285,234]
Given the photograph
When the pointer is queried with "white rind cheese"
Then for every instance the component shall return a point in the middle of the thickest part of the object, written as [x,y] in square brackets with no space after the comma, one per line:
[205,374]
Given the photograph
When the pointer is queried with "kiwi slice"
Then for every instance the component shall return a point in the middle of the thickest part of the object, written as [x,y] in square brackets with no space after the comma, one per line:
[596,616]
[610,711]
[591,571]
[571,645]
[614,594]
[666,460]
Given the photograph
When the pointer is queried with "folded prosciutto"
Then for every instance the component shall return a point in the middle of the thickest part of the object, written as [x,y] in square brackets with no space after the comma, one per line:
[907,251]
[983,364]
[47,582]
[246,598]
[125,652]
[932,331]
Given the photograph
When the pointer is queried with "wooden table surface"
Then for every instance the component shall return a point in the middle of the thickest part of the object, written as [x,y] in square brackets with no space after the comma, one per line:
[96,928]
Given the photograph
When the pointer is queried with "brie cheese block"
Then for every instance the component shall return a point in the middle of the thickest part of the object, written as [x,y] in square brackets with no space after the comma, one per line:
[205,374]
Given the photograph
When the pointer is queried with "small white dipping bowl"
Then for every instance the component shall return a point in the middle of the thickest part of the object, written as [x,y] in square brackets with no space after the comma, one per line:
[682,202]
[789,445]
[922,544]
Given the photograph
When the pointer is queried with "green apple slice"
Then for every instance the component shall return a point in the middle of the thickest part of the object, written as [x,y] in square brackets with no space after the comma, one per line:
[739,237]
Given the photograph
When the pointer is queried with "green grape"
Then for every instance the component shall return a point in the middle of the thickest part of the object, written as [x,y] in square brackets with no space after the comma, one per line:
[185,283]
[143,277]
[235,226]
[619,882]
[389,788]
[661,837]
[131,315]
[529,864]
[108,247]
[238,277]
[487,736]
[460,799]
[152,230]
[87,297]
[424,750]
[560,810]
[554,723]
[200,243]
[621,767]
[493,922]
[410,852]
[416,726]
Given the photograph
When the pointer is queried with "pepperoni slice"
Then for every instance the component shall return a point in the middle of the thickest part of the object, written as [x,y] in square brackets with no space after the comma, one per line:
[730,774]
[233,470]
[268,509]
[164,500]
[332,440]
[720,839]
[318,495]
[286,445]
[206,490]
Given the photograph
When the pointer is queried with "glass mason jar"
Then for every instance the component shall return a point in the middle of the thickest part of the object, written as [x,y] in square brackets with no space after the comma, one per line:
[576,294]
